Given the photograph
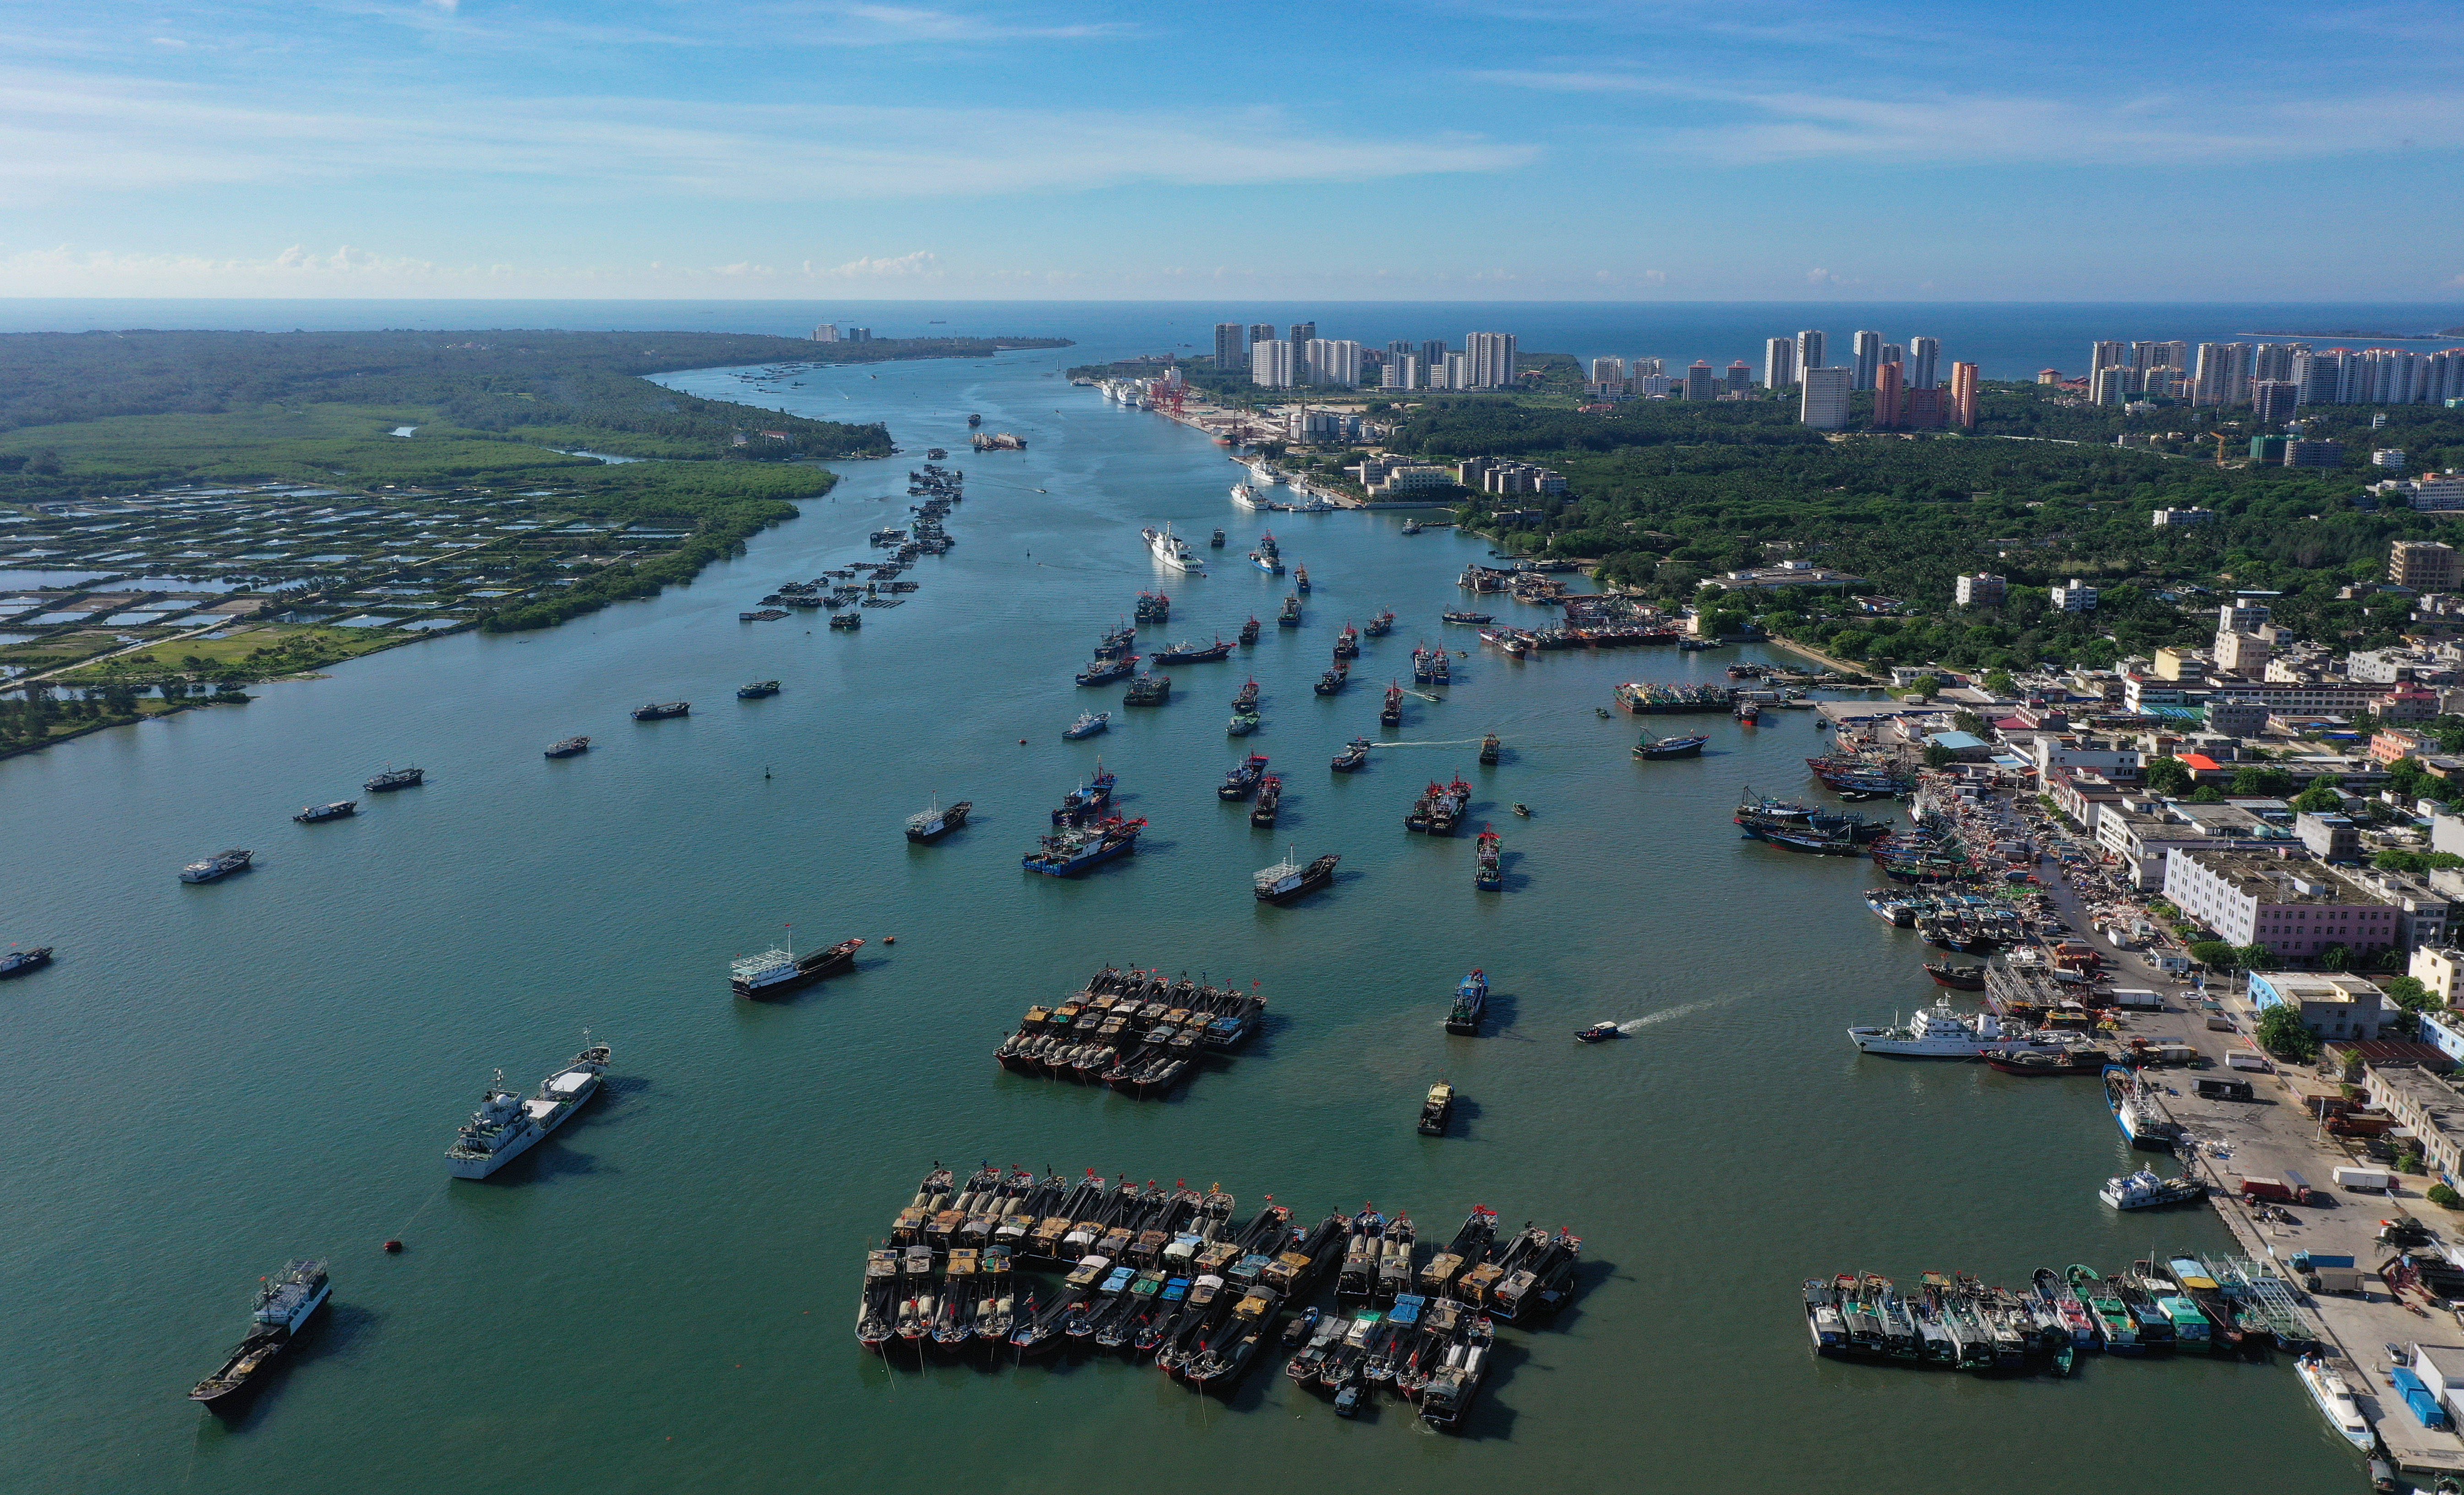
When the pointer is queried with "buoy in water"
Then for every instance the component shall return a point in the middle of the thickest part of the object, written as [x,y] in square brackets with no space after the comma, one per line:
[1022,742]
[393,1246]
[889,939]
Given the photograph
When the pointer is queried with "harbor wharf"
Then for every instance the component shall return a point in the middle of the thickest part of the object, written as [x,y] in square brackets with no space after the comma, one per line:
[2274,1136]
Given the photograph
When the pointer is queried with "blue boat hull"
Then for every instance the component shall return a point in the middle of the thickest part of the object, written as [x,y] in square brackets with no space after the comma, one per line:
[1076,865]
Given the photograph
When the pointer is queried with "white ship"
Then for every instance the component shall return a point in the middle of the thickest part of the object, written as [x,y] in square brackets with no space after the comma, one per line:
[2144,1190]
[212,868]
[1262,475]
[1246,495]
[1172,550]
[1938,1032]
[505,1125]
[2336,1401]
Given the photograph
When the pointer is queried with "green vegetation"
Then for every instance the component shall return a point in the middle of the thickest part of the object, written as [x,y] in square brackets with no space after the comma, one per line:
[2443,1197]
[1667,495]
[2280,1033]
[2213,953]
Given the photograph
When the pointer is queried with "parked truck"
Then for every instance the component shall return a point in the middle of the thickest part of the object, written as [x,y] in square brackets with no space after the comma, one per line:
[2373,1180]
[2275,1190]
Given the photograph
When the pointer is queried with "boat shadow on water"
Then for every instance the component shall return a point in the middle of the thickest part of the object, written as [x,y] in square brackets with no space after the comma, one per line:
[338,1331]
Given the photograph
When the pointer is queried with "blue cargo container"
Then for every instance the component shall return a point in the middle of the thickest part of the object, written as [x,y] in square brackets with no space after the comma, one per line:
[2424,1406]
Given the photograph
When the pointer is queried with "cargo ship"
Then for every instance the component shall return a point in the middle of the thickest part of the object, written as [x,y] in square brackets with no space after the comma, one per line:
[1073,849]
[285,1303]
[1471,999]
[1288,879]
[933,823]
[219,865]
[1187,654]
[570,747]
[758,689]
[337,810]
[17,962]
[774,972]
[396,778]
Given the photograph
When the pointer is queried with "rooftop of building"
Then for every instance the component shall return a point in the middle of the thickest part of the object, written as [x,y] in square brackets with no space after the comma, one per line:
[2437,1098]
[2280,877]
[2318,985]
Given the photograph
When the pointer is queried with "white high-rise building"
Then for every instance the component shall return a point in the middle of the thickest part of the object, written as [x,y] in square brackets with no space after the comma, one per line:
[1779,363]
[1809,352]
[827,332]
[2223,375]
[1867,349]
[1270,363]
[1492,357]
[1455,373]
[1402,371]
[1332,361]
[1608,371]
[1824,404]
[2105,354]
[1923,354]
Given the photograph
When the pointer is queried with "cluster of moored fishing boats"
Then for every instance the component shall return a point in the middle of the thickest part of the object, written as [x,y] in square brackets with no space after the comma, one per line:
[1802,828]
[938,489]
[1139,1031]
[1170,1275]
[2186,1302]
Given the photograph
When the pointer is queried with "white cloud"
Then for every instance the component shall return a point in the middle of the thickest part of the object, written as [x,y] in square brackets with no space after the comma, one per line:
[1775,124]
[67,134]
[921,264]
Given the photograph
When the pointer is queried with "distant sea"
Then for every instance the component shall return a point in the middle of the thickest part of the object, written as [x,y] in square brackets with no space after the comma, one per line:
[2013,339]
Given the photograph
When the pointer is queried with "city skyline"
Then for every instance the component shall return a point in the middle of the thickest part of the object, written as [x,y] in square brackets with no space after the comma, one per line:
[849,151]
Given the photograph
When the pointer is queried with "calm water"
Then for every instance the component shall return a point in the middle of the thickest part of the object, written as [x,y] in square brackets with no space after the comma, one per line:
[660,1298]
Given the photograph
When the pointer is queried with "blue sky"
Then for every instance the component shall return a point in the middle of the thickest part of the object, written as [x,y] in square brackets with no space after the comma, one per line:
[1412,151]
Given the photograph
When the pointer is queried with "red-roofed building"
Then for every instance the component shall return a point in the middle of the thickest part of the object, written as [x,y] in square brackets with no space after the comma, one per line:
[2201,763]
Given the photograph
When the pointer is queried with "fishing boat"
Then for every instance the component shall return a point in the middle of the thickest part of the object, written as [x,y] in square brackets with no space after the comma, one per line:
[756,690]
[1243,777]
[1522,810]
[2136,1112]
[1599,1033]
[1152,607]
[773,972]
[396,778]
[1088,724]
[1249,631]
[1390,714]
[1270,799]
[1248,697]
[1411,526]
[848,621]
[661,711]
[1187,654]
[1354,758]
[1657,749]
[1379,626]
[1290,878]
[1347,643]
[1083,801]
[1217,543]
[933,823]
[337,810]
[1244,722]
[2044,1062]
[1437,1109]
[1147,690]
[569,747]
[1073,849]
[1332,682]
[1467,617]
[1489,750]
[1266,556]
[1958,978]
[1289,616]
[1300,578]
[1486,873]
[1749,713]
[1104,672]
[1172,551]
[1471,999]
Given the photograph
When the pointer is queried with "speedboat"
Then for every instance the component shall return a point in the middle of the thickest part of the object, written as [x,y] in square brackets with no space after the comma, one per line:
[1522,810]
[2334,1401]
[1599,1033]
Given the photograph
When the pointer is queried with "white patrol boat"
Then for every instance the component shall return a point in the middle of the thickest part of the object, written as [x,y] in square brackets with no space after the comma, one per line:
[1172,550]
[505,1125]
[1939,1032]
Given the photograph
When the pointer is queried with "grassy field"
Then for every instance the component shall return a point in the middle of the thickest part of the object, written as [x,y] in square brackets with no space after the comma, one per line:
[269,648]
[304,442]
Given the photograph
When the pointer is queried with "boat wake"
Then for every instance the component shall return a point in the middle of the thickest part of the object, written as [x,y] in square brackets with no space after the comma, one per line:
[1662,1016]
